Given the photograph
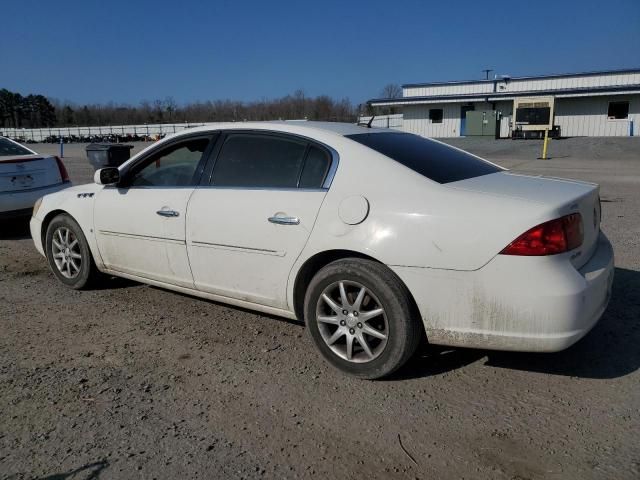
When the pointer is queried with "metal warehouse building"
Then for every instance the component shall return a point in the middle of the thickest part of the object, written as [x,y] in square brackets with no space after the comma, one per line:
[603,103]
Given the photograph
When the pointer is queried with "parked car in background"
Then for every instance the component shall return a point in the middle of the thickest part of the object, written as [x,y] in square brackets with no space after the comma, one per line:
[377,239]
[26,176]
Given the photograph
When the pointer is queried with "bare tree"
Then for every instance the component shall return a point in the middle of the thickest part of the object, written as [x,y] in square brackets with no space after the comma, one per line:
[391,90]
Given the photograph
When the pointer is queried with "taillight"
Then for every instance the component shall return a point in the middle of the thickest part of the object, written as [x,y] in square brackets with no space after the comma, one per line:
[63,170]
[549,238]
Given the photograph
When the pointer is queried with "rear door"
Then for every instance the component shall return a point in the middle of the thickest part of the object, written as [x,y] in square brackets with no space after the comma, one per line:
[140,223]
[248,224]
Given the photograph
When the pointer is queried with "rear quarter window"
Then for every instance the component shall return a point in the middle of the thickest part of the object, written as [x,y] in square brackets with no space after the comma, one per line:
[9,148]
[436,161]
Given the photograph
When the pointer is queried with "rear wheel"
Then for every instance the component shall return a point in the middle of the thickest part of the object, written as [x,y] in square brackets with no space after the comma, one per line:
[68,253]
[361,318]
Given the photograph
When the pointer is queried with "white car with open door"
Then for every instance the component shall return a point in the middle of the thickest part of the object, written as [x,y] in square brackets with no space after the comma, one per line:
[377,239]
[26,176]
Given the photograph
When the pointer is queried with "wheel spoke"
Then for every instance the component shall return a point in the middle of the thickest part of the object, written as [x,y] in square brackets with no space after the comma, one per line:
[368,315]
[336,335]
[59,232]
[358,302]
[333,305]
[66,237]
[332,320]
[343,295]
[58,255]
[75,267]
[365,345]
[68,265]
[349,347]
[373,332]
[56,244]
[75,255]
[73,244]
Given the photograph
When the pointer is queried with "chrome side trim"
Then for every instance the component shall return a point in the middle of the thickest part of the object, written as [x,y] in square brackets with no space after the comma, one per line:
[221,246]
[141,237]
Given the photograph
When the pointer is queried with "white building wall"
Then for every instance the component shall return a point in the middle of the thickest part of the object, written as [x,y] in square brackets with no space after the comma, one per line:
[587,116]
[416,120]
[582,116]
[445,89]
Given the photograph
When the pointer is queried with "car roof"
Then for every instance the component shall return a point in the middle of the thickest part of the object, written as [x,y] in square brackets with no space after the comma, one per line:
[293,126]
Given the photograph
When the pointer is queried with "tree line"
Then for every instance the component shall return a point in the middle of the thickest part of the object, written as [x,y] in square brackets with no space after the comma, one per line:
[37,111]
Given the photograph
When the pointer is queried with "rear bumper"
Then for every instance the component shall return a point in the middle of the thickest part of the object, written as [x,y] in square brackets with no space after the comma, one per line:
[534,304]
[22,213]
[19,202]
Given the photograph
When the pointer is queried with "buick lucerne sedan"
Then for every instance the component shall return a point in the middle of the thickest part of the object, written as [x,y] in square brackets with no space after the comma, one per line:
[377,239]
[26,176]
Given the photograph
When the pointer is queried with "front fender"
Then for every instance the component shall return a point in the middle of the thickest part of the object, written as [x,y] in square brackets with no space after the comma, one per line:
[77,202]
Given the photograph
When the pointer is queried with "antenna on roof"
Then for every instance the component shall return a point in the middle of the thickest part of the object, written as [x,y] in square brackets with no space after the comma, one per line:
[486,73]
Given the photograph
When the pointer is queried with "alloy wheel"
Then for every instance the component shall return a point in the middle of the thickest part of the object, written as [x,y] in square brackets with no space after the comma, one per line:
[352,321]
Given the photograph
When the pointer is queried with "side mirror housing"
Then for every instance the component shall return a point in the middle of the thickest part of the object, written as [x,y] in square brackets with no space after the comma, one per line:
[106,176]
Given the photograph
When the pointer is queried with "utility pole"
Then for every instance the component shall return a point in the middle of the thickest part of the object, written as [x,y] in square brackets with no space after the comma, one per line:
[486,73]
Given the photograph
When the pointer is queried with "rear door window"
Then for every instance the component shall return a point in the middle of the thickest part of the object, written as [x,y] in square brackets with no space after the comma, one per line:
[436,161]
[259,161]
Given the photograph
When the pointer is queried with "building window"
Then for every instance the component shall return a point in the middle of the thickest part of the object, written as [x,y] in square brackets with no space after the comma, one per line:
[436,115]
[618,110]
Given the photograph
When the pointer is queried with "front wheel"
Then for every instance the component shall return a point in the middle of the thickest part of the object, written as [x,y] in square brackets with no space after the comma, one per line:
[361,318]
[68,253]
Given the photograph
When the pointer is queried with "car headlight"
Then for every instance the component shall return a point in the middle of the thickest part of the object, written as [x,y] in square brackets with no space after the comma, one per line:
[36,206]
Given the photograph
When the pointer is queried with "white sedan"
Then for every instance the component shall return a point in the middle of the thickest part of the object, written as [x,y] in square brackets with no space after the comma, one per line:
[377,239]
[26,176]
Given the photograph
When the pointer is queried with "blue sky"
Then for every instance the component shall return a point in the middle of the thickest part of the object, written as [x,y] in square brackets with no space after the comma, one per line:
[91,51]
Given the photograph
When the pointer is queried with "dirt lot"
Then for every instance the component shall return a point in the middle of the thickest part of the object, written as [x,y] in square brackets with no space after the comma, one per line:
[132,381]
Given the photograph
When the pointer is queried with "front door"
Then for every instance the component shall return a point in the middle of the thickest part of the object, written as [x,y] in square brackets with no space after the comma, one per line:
[248,226]
[463,118]
[140,223]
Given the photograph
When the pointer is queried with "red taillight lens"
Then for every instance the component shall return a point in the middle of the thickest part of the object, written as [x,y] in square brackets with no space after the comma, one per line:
[63,170]
[552,237]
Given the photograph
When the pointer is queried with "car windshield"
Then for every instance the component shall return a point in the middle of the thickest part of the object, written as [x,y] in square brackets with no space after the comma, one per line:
[9,148]
[436,161]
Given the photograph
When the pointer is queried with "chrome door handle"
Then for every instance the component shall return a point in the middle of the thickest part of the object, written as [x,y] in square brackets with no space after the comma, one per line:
[285,220]
[167,213]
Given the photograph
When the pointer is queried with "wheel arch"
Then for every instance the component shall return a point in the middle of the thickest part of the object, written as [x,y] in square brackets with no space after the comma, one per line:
[314,263]
[47,220]
[59,211]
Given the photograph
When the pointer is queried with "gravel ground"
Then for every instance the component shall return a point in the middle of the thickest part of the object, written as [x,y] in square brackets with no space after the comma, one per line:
[132,381]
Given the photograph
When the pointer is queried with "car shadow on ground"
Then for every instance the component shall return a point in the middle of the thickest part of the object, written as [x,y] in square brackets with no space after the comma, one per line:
[15,229]
[610,350]
[90,471]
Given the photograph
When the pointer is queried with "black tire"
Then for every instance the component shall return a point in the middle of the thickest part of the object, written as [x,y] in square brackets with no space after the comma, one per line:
[83,273]
[399,320]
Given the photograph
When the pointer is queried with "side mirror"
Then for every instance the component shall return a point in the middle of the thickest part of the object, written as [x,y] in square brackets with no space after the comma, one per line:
[106,176]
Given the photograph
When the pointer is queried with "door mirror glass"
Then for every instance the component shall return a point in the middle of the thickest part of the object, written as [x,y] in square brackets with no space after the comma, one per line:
[107,176]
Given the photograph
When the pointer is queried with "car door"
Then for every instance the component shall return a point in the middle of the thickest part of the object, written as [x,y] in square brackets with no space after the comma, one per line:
[140,223]
[246,228]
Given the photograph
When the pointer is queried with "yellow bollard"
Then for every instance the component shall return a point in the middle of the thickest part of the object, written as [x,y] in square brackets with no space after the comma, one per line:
[544,145]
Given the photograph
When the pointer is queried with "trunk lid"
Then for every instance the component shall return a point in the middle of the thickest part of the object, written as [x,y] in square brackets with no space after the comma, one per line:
[27,172]
[559,196]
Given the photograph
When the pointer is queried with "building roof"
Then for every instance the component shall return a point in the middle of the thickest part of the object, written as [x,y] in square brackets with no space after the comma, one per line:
[498,96]
[526,77]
